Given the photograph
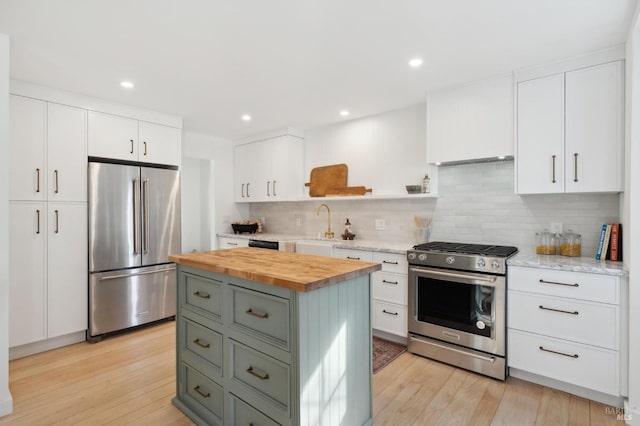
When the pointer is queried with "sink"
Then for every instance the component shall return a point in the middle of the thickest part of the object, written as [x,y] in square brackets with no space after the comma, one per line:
[317,247]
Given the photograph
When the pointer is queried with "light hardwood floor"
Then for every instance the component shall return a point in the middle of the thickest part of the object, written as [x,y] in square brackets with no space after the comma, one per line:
[130,380]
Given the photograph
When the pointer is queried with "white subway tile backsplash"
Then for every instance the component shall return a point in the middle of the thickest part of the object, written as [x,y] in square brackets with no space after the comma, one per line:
[476,203]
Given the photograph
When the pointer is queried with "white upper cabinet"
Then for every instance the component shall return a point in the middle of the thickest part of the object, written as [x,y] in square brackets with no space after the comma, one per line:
[122,138]
[470,122]
[570,131]
[159,144]
[269,169]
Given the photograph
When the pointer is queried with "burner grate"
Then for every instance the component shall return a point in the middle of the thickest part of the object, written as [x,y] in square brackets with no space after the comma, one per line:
[464,248]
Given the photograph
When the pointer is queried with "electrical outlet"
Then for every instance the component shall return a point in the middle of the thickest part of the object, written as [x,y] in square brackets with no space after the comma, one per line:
[381,224]
[555,228]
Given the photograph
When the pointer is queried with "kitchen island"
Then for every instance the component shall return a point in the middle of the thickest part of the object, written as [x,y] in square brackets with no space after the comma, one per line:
[269,337]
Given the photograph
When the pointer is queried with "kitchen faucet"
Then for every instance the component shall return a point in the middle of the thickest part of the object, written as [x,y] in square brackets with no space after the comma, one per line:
[329,234]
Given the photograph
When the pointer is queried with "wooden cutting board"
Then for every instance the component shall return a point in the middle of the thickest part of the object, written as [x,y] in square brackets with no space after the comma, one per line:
[348,190]
[323,178]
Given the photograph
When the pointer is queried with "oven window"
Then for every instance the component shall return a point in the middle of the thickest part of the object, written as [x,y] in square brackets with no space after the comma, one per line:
[463,307]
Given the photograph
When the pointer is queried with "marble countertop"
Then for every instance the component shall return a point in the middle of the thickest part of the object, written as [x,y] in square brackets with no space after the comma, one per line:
[574,264]
[380,246]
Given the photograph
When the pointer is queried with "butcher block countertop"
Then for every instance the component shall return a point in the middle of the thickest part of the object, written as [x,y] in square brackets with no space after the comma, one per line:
[294,271]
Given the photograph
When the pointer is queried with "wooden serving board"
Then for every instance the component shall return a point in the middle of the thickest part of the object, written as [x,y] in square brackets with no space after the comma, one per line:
[348,190]
[323,178]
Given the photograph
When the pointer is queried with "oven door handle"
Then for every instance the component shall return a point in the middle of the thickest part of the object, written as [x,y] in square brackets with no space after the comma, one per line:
[489,279]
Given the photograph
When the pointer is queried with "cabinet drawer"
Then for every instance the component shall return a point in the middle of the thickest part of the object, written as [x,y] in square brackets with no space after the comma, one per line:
[579,321]
[228,242]
[203,344]
[204,294]
[577,285]
[390,287]
[574,363]
[390,318]
[244,414]
[363,255]
[204,396]
[392,262]
[261,315]
[261,374]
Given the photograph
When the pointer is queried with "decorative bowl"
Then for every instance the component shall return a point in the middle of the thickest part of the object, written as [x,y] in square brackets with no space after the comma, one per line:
[414,189]
[239,228]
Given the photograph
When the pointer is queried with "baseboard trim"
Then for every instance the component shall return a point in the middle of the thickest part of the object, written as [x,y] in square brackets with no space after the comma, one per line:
[611,400]
[46,345]
[631,415]
[6,406]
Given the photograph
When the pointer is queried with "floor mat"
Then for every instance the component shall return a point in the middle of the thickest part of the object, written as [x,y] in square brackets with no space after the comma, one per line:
[384,352]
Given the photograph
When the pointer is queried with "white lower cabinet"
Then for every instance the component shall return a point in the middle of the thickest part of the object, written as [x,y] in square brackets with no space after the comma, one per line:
[48,275]
[230,242]
[568,327]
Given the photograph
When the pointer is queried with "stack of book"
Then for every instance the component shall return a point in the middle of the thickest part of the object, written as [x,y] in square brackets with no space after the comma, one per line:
[610,243]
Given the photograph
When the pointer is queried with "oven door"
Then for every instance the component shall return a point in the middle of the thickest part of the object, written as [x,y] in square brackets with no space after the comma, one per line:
[462,308]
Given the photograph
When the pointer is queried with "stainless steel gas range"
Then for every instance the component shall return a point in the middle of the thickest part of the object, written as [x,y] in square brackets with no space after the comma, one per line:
[457,303]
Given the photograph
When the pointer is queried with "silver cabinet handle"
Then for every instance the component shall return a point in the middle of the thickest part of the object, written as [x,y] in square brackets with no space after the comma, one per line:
[136,216]
[202,345]
[145,147]
[55,174]
[268,185]
[558,310]
[242,190]
[390,282]
[253,314]
[37,221]
[201,392]
[57,228]
[557,283]
[202,295]
[274,188]
[37,180]
[542,348]
[251,371]
[145,210]
[575,167]
[389,313]
[553,169]
[131,152]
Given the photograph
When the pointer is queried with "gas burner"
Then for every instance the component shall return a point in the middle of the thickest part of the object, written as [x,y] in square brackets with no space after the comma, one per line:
[464,248]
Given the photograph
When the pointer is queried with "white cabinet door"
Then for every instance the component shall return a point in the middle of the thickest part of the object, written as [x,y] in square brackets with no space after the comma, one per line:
[249,162]
[112,136]
[66,268]
[27,279]
[27,175]
[66,153]
[594,128]
[285,173]
[159,144]
[540,144]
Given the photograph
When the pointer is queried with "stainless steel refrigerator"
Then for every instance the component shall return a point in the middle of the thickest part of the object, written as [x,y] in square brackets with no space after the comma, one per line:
[134,225]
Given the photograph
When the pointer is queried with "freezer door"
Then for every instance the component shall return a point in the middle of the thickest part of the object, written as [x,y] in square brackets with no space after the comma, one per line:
[160,214]
[114,217]
[123,299]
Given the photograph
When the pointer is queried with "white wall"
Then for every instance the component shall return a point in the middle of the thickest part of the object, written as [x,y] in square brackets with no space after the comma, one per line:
[631,215]
[6,403]
[218,202]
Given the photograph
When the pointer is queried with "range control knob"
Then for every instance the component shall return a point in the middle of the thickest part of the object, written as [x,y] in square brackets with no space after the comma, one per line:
[481,263]
[411,256]
[495,264]
[422,257]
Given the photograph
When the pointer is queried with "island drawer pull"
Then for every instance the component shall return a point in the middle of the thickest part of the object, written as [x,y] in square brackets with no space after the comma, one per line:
[390,263]
[558,310]
[202,393]
[390,282]
[202,345]
[557,283]
[389,313]
[251,371]
[542,348]
[253,314]
[353,258]
[202,295]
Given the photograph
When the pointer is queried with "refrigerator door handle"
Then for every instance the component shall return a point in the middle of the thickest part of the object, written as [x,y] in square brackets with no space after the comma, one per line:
[116,277]
[145,219]
[136,216]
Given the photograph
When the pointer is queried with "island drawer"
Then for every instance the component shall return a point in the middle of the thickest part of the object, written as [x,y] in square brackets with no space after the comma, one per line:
[202,347]
[390,317]
[244,414]
[261,315]
[581,365]
[564,318]
[576,285]
[390,287]
[262,375]
[203,396]
[392,262]
[203,294]
[363,255]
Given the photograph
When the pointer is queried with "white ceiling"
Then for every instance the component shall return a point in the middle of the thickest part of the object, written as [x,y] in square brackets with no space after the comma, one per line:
[291,62]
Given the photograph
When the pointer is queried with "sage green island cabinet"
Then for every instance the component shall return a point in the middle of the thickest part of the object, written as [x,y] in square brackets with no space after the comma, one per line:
[273,338]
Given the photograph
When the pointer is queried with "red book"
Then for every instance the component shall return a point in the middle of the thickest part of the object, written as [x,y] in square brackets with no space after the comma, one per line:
[614,241]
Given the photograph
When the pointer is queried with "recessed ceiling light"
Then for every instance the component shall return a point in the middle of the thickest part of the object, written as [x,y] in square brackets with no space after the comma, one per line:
[344,113]
[126,84]
[501,157]
[437,164]
[246,117]
[415,62]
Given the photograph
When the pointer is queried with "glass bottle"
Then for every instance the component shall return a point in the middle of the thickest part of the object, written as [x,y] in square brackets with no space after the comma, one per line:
[426,184]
